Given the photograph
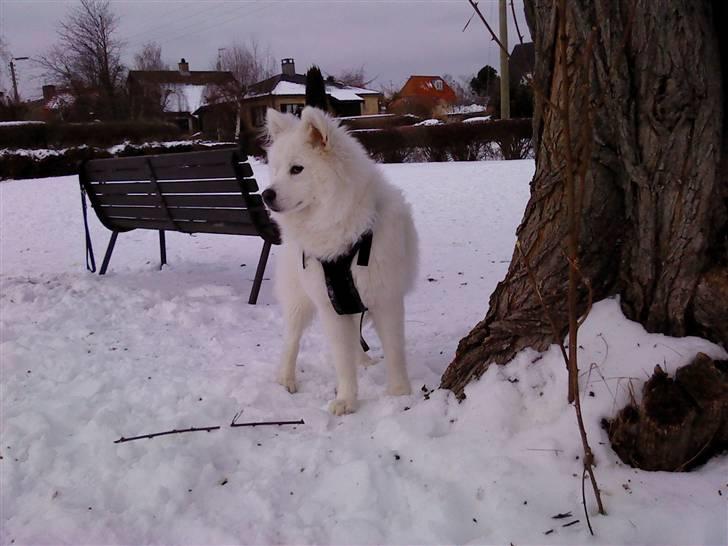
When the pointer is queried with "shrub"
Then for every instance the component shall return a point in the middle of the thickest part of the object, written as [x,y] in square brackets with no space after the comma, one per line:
[26,135]
[40,135]
[383,121]
[43,163]
[451,141]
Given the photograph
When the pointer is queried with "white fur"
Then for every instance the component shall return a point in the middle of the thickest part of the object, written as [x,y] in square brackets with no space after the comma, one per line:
[322,211]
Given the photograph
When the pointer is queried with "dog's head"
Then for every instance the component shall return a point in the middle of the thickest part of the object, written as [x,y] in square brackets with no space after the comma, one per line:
[306,158]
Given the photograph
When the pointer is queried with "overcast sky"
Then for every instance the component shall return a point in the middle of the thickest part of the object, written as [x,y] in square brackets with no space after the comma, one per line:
[392,39]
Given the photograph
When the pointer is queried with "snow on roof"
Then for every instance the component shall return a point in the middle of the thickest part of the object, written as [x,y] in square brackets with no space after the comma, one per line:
[476,119]
[429,122]
[343,94]
[466,109]
[9,123]
[288,88]
[60,101]
[346,93]
[362,90]
[183,97]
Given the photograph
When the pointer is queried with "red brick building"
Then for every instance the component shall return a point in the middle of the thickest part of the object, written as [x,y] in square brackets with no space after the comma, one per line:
[432,87]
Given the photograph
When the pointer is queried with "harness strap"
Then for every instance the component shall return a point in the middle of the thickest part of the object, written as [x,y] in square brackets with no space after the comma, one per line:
[362,341]
[339,280]
[90,261]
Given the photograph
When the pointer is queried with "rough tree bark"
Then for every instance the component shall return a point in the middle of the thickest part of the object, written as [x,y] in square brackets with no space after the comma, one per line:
[654,221]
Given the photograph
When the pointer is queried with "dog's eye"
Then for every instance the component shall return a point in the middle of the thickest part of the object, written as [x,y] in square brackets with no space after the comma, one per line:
[295,169]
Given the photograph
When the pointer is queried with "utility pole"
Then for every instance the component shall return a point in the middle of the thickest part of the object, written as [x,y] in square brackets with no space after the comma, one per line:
[219,57]
[505,94]
[16,96]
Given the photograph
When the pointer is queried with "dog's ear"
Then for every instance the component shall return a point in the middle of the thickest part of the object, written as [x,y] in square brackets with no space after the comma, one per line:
[277,123]
[319,125]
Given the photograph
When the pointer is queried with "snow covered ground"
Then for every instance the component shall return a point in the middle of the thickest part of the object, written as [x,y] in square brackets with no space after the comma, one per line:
[88,359]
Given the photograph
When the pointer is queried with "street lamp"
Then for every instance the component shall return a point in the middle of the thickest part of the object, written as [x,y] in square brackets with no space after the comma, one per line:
[12,73]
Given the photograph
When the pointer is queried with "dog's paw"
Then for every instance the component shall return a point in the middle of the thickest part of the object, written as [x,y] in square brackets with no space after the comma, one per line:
[399,389]
[365,360]
[340,407]
[288,382]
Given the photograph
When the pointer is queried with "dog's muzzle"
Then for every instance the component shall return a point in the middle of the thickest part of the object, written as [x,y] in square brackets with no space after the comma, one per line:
[269,198]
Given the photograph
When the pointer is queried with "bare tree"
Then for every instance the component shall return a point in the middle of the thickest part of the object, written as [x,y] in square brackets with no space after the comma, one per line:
[249,62]
[356,77]
[462,89]
[5,57]
[87,55]
[150,58]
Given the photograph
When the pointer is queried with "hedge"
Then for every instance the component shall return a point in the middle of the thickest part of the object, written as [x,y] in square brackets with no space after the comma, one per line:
[510,139]
[43,163]
[107,133]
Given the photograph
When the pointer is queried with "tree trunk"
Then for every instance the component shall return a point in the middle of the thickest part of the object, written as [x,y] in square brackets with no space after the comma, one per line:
[654,222]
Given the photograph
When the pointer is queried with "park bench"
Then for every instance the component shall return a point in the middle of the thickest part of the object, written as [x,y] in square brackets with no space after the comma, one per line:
[194,192]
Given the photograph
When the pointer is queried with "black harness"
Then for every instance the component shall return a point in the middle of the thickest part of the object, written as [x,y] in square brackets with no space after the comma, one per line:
[340,285]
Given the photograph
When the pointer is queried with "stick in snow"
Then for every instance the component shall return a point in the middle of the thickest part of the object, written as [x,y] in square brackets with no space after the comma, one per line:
[154,434]
[263,423]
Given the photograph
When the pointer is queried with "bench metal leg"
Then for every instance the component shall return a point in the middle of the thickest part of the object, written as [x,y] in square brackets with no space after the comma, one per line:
[109,250]
[162,249]
[259,273]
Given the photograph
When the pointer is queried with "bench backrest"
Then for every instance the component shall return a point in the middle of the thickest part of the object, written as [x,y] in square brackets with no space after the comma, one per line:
[194,192]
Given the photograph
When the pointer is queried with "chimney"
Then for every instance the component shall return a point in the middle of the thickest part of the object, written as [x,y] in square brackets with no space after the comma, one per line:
[288,67]
[49,91]
[184,67]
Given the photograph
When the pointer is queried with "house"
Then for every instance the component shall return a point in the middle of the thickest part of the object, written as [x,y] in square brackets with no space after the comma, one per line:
[422,96]
[176,95]
[430,87]
[521,63]
[286,92]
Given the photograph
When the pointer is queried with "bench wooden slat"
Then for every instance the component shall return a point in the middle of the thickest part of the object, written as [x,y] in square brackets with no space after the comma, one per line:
[149,200]
[208,186]
[121,168]
[228,228]
[208,215]
[188,186]
[194,165]
[212,215]
[142,186]
[198,201]
[135,212]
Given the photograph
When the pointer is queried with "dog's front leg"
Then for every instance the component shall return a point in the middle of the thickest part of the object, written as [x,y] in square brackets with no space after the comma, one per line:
[389,323]
[343,335]
[298,314]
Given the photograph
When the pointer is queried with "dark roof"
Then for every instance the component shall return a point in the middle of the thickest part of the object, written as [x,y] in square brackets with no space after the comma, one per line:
[195,77]
[267,86]
[523,59]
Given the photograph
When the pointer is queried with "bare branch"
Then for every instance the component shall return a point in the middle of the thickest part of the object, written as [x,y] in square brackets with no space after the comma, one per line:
[234,422]
[515,20]
[497,41]
[155,434]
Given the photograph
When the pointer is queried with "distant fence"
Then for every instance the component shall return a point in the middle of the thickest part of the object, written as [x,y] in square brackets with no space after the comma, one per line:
[60,135]
[17,164]
[461,141]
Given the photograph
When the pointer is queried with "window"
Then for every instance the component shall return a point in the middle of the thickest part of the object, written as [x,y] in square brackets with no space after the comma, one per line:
[291,108]
[259,116]
[438,85]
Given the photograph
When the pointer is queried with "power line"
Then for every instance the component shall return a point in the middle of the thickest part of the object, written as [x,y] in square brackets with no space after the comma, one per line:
[163,37]
[166,25]
[216,24]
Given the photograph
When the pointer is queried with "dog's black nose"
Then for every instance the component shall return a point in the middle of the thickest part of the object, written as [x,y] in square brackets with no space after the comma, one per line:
[269,196]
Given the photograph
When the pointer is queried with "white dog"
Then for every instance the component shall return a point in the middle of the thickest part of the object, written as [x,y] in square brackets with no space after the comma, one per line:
[327,195]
